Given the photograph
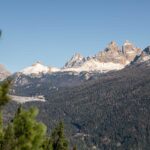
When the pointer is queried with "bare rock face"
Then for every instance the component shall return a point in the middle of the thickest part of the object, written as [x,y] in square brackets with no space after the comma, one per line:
[130,51]
[112,53]
[123,55]
[76,60]
[144,56]
[4,73]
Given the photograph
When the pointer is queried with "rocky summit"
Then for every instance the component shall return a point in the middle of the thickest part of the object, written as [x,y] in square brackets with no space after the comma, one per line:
[113,53]
[112,57]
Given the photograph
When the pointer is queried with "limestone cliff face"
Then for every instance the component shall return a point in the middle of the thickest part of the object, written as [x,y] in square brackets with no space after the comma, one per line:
[112,55]
[123,55]
[130,51]
[76,60]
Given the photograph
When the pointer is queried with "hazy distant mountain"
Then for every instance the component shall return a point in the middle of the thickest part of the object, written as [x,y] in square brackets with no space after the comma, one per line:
[4,73]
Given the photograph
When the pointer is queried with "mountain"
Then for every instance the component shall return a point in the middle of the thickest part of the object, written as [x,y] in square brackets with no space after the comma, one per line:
[107,111]
[75,72]
[111,58]
[102,108]
[144,56]
[76,60]
[37,69]
[130,51]
[4,73]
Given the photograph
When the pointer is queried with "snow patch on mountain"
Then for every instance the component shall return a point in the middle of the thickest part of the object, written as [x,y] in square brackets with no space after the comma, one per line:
[94,65]
[24,99]
[111,58]
[38,68]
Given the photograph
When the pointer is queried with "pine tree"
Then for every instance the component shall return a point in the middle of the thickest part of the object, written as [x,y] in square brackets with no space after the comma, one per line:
[47,144]
[29,133]
[59,141]
[4,89]
[1,130]
[9,139]
[4,98]
[75,147]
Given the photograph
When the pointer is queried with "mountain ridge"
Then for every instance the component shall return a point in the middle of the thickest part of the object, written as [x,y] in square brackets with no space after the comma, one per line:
[111,58]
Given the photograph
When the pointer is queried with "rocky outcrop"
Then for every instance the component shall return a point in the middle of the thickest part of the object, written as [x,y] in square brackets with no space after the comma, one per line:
[76,61]
[144,56]
[130,51]
[112,53]
[112,57]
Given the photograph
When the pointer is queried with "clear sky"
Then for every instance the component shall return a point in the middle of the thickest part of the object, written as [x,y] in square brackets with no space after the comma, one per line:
[53,30]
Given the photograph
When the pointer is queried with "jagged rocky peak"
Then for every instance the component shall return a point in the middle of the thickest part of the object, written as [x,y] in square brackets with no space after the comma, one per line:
[111,53]
[130,51]
[127,43]
[76,60]
[147,50]
[4,73]
[112,46]
[128,47]
[145,55]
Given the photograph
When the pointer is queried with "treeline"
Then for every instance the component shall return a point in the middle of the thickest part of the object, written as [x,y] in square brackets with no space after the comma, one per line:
[24,132]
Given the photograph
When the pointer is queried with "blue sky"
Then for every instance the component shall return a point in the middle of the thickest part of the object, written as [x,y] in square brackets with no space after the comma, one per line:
[53,30]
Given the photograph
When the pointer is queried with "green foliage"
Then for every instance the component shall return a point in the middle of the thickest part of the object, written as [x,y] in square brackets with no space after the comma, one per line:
[47,144]
[9,141]
[75,148]
[24,132]
[29,133]
[1,129]
[59,142]
[4,89]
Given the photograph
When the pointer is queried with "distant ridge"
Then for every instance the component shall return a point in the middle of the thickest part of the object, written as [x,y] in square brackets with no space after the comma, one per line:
[111,58]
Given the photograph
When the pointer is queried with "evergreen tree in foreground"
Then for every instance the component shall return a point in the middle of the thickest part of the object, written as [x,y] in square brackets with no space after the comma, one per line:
[4,89]
[59,141]
[4,98]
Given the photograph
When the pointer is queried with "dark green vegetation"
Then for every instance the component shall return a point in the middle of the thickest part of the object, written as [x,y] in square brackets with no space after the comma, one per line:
[110,111]
[24,132]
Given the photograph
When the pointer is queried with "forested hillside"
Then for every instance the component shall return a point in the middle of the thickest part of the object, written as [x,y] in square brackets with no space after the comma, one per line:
[110,111]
